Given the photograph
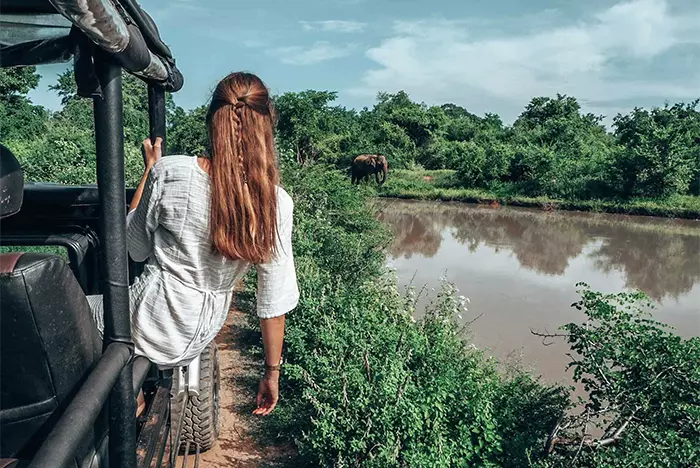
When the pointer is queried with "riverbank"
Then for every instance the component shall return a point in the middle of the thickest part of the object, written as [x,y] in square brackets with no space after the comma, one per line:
[368,383]
[440,185]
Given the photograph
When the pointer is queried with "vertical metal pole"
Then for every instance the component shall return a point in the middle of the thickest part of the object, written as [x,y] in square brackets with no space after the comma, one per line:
[156,114]
[109,138]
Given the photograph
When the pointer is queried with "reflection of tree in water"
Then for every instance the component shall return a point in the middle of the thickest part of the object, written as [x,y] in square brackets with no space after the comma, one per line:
[414,233]
[659,264]
[658,261]
[540,242]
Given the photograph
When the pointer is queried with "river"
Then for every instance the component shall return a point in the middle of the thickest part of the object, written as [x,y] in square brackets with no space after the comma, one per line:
[519,268]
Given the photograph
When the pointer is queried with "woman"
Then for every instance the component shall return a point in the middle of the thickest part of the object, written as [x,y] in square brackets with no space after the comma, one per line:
[200,223]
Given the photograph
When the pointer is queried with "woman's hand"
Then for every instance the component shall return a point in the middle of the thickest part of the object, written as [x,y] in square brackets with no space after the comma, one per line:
[152,151]
[268,394]
[151,154]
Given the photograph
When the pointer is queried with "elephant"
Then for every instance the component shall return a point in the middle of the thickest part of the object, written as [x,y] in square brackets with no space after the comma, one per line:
[366,164]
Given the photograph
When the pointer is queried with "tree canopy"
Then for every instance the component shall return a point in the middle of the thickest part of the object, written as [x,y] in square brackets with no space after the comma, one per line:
[552,149]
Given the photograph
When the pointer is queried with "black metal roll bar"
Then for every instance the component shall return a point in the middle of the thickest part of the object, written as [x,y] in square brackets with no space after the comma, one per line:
[109,133]
[79,417]
[156,114]
[115,375]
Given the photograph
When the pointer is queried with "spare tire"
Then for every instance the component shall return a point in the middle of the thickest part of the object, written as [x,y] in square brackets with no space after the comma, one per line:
[200,425]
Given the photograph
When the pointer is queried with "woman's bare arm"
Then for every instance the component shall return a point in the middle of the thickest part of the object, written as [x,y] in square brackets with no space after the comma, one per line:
[152,154]
[273,338]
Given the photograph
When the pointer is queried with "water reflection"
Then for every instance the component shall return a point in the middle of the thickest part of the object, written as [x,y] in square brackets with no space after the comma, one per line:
[519,268]
[660,257]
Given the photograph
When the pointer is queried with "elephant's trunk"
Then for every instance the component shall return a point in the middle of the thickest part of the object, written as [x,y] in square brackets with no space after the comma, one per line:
[385,171]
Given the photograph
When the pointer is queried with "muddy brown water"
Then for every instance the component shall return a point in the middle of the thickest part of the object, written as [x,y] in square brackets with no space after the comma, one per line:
[519,268]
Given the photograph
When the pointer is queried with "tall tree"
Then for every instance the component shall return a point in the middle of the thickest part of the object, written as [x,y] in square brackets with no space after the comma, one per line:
[301,117]
[19,118]
[659,154]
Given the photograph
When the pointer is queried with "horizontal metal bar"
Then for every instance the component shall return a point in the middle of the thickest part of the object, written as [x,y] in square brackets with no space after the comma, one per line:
[59,447]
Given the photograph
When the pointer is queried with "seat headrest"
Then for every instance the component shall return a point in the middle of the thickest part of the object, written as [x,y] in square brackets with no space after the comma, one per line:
[11,183]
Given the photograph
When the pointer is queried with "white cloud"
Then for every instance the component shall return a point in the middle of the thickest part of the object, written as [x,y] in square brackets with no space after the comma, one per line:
[438,61]
[319,52]
[337,26]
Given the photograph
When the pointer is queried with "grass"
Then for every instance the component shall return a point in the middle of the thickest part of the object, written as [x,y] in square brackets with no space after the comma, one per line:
[44,249]
[441,185]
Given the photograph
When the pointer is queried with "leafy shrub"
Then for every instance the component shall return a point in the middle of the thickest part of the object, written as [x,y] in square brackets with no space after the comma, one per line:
[643,383]
[367,385]
[659,154]
[482,166]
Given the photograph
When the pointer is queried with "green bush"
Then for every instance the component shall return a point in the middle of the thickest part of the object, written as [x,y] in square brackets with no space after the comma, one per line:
[643,383]
[367,385]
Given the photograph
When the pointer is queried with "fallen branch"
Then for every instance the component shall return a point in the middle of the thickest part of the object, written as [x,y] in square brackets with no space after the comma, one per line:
[549,444]
[546,336]
[583,437]
[607,440]
[585,440]
[474,319]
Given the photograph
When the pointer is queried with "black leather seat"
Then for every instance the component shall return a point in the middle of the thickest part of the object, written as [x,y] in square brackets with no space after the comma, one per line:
[48,345]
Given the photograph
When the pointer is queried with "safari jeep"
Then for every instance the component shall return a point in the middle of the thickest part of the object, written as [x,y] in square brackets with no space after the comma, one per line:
[68,397]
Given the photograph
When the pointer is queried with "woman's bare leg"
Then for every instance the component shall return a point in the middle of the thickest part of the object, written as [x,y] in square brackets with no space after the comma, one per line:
[140,403]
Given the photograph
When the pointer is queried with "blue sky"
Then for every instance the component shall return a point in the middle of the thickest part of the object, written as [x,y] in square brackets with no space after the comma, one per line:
[488,56]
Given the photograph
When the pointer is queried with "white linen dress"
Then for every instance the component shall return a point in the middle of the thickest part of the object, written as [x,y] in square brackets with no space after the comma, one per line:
[181,300]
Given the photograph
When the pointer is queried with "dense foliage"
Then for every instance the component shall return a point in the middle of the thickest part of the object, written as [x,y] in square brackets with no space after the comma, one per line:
[643,383]
[552,149]
[443,184]
[366,384]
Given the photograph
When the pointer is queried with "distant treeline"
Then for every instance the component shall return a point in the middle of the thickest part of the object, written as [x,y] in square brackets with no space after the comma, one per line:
[552,149]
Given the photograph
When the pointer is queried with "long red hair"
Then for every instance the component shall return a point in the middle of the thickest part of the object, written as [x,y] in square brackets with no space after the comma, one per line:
[244,173]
